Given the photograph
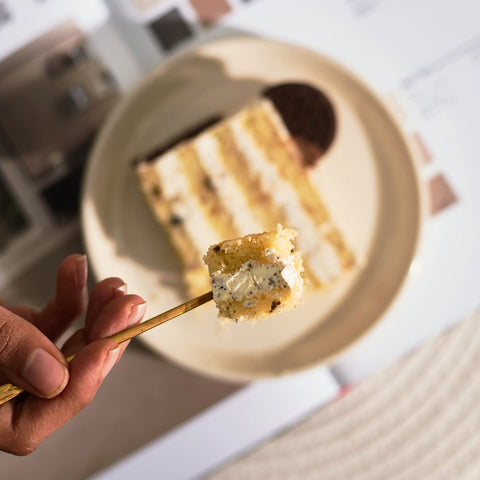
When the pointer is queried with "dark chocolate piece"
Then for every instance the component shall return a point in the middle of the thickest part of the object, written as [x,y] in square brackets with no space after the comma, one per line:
[208,183]
[274,305]
[176,220]
[309,116]
[156,191]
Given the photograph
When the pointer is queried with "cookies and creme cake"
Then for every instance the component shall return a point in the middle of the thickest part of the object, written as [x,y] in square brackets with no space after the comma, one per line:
[257,275]
[244,174]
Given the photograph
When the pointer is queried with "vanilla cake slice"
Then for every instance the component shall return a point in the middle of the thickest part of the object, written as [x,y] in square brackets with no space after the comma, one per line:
[242,175]
[256,275]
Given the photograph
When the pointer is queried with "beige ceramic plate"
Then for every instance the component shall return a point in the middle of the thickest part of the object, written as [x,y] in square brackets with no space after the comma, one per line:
[368,177]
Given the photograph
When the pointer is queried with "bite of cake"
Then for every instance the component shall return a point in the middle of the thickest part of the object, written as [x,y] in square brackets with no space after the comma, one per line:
[256,275]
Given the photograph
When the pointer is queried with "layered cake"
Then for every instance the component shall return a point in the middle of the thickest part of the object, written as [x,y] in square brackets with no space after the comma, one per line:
[255,276]
[244,174]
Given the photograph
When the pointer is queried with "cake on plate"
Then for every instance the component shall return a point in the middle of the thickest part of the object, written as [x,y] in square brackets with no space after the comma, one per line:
[244,174]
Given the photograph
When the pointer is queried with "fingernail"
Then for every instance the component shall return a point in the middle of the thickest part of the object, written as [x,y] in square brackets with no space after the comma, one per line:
[45,373]
[121,290]
[82,270]
[110,360]
[136,314]
[82,274]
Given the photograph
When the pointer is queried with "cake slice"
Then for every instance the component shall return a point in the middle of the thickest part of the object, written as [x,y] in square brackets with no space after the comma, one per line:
[255,275]
[240,175]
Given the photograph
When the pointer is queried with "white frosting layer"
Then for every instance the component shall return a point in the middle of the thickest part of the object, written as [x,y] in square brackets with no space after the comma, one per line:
[252,279]
[321,256]
[229,192]
[176,189]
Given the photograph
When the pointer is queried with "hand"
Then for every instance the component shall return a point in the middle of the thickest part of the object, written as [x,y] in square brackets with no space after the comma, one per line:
[28,357]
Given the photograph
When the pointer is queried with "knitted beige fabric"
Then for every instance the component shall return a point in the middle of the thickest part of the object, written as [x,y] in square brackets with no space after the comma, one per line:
[418,419]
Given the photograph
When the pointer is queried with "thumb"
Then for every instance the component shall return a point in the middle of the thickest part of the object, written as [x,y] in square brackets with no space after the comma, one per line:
[29,359]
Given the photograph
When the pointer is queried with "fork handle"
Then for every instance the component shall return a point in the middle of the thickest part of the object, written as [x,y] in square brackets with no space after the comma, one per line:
[9,391]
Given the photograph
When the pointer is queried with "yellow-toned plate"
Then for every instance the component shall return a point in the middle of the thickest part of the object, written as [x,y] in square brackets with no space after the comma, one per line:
[368,177]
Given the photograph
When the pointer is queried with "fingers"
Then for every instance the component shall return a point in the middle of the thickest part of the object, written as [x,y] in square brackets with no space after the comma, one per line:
[38,418]
[96,354]
[95,360]
[70,297]
[28,358]
[115,315]
[29,314]
[120,313]
[101,294]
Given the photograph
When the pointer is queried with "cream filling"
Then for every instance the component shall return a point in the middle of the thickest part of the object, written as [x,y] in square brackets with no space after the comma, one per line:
[321,256]
[227,189]
[252,279]
[176,189]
